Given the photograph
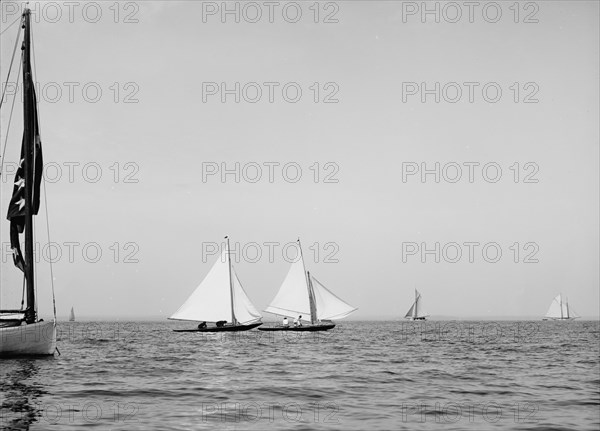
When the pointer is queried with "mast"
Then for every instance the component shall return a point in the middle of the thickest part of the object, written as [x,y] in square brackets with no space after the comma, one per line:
[233,319]
[311,301]
[561,309]
[567,305]
[416,304]
[30,311]
[311,294]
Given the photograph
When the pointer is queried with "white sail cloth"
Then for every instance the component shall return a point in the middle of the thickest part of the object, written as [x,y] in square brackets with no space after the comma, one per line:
[212,299]
[416,310]
[559,309]
[292,299]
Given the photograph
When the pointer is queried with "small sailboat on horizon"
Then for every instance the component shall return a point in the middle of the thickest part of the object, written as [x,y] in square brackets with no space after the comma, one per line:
[560,310]
[302,297]
[220,299]
[72,315]
[416,311]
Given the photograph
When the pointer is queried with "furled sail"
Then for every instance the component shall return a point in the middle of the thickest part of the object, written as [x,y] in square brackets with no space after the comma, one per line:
[329,306]
[211,301]
[17,206]
[292,299]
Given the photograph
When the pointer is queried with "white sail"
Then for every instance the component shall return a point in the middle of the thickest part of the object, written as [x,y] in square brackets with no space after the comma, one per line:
[560,309]
[211,301]
[244,310]
[292,298]
[72,315]
[556,309]
[329,306]
[571,313]
[417,311]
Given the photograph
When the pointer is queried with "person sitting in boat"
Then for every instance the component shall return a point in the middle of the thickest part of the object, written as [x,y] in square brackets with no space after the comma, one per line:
[202,325]
[221,323]
[285,322]
[298,321]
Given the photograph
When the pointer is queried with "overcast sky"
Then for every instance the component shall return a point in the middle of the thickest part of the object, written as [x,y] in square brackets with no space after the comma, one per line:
[160,203]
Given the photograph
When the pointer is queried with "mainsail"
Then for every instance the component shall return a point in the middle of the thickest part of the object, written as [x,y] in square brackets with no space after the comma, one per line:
[298,289]
[218,298]
[72,315]
[417,311]
[292,299]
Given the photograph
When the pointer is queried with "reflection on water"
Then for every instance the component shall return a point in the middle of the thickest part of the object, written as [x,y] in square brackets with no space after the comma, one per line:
[19,405]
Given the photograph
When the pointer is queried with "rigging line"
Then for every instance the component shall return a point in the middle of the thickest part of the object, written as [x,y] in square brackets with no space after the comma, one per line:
[23,296]
[50,259]
[9,122]
[35,253]
[11,63]
[11,24]
[39,118]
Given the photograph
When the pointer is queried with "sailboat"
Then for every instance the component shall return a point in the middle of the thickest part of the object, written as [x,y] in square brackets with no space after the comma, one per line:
[72,315]
[220,299]
[303,297]
[416,311]
[22,333]
[559,310]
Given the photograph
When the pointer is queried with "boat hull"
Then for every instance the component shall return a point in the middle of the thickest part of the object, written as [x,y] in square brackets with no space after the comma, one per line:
[307,328]
[35,339]
[230,328]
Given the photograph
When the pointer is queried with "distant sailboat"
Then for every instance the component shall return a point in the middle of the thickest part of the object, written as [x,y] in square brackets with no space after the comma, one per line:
[22,333]
[72,315]
[220,298]
[303,297]
[416,311]
[559,310]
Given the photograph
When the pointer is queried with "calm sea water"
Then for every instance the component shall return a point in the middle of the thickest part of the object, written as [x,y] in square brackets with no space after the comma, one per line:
[362,375]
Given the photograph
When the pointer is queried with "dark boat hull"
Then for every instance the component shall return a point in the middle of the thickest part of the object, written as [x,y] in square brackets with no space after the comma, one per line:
[227,328]
[308,328]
